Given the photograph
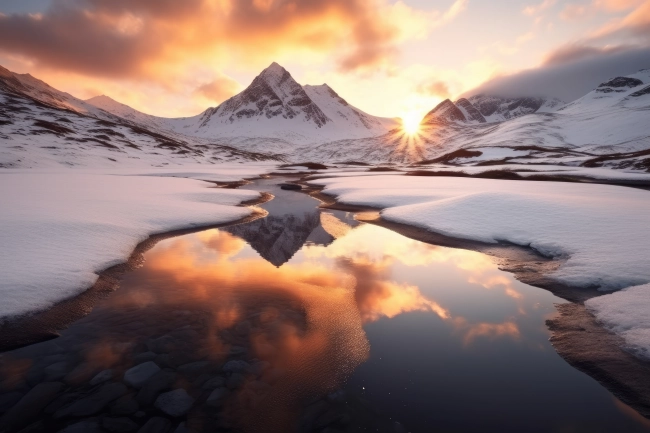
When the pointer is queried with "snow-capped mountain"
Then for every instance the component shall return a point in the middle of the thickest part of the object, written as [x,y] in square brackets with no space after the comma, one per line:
[274,105]
[498,109]
[607,127]
[41,126]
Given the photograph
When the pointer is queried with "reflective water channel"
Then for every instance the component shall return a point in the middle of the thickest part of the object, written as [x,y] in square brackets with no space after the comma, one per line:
[308,321]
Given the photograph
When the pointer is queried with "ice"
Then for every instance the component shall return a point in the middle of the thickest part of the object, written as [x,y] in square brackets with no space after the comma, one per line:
[59,228]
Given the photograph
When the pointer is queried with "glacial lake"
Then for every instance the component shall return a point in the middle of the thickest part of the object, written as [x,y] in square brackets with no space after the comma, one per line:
[308,320]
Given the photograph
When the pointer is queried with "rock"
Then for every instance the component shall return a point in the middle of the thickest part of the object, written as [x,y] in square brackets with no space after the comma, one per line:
[290,186]
[159,382]
[236,366]
[138,375]
[176,359]
[201,380]
[163,344]
[85,426]
[193,368]
[93,403]
[62,401]
[237,351]
[101,377]
[144,357]
[8,400]
[215,382]
[156,425]
[56,371]
[23,412]
[125,405]
[80,374]
[175,403]
[217,397]
[235,381]
[119,425]
[257,368]
[139,415]
[181,428]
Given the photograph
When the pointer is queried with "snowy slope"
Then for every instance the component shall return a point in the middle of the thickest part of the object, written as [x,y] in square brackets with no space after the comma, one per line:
[59,228]
[498,109]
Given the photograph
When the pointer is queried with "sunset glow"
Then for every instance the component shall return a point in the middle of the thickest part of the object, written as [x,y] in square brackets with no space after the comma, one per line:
[411,123]
[179,58]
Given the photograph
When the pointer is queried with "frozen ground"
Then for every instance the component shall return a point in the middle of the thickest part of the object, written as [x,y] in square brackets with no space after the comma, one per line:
[59,228]
[603,231]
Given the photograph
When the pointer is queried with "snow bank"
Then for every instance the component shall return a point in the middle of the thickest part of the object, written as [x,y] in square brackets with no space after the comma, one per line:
[602,229]
[628,314]
[58,229]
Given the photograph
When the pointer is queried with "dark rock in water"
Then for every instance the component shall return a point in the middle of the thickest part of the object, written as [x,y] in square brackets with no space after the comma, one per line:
[85,426]
[8,400]
[164,344]
[62,401]
[215,382]
[159,382]
[101,377]
[80,374]
[144,357]
[30,406]
[93,403]
[126,405]
[119,425]
[217,397]
[236,366]
[56,371]
[193,368]
[156,425]
[138,375]
[181,428]
[175,403]
[290,186]
[235,381]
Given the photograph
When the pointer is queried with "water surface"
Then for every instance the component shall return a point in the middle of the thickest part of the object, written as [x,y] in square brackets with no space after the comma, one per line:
[341,326]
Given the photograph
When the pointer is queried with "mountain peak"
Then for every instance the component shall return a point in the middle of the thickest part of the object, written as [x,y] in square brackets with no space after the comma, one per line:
[274,70]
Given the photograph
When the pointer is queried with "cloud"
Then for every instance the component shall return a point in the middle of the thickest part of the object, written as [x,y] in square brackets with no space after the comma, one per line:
[636,24]
[536,9]
[219,89]
[569,72]
[572,12]
[157,38]
[435,88]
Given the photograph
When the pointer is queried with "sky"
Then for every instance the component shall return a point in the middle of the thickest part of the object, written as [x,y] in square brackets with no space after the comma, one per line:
[389,58]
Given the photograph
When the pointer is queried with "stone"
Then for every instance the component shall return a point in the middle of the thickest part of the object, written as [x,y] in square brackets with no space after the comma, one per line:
[101,377]
[175,403]
[8,400]
[56,371]
[181,428]
[193,368]
[257,368]
[163,344]
[23,412]
[237,350]
[290,186]
[138,375]
[119,425]
[85,426]
[80,374]
[94,402]
[236,366]
[235,381]
[144,357]
[156,425]
[159,382]
[125,405]
[217,397]
[215,382]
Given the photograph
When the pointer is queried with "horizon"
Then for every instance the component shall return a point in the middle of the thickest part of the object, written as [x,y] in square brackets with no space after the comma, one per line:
[417,52]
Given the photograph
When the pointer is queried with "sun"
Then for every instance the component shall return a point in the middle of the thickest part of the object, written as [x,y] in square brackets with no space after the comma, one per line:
[411,123]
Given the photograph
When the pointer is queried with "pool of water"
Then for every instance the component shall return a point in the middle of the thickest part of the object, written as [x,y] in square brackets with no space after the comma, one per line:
[308,320]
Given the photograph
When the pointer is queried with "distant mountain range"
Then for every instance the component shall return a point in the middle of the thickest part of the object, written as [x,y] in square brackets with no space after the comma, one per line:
[277,119]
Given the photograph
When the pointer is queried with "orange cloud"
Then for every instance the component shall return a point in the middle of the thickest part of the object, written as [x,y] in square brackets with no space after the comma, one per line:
[151,39]
[435,88]
[219,89]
